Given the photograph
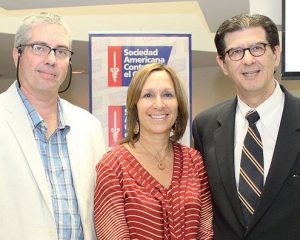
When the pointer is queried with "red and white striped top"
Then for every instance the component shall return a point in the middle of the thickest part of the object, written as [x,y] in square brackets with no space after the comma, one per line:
[131,204]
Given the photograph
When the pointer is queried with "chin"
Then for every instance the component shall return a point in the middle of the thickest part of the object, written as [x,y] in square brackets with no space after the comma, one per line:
[161,131]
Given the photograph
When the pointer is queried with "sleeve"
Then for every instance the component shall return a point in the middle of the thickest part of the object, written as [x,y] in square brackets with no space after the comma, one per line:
[98,143]
[206,225]
[109,213]
[196,135]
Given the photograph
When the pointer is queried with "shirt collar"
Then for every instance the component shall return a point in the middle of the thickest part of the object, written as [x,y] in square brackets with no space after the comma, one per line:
[265,108]
[35,117]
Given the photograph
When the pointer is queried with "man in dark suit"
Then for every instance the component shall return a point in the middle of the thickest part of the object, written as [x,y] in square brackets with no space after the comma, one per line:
[249,52]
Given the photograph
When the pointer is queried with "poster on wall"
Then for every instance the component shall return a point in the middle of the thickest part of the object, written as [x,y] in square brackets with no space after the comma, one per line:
[115,58]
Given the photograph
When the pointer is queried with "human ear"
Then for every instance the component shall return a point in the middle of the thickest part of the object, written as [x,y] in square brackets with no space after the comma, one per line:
[222,64]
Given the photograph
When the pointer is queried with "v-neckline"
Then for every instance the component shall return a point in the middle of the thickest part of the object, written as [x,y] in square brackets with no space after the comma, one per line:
[143,175]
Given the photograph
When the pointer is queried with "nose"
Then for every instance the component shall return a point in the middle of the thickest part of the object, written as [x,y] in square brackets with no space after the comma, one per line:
[248,59]
[159,103]
[51,58]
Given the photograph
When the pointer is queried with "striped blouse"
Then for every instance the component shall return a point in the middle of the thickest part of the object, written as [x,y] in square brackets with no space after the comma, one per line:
[131,204]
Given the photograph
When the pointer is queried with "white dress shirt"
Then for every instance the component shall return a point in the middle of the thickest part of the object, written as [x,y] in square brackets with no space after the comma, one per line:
[270,112]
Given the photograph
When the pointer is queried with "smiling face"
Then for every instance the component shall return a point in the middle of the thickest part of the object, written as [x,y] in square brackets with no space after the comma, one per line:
[42,75]
[253,77]
[157,106]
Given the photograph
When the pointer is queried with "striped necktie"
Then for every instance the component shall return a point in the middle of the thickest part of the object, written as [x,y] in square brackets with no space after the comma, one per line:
[251,169]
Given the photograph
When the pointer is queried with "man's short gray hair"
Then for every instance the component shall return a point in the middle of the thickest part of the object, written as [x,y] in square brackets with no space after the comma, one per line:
[23,34]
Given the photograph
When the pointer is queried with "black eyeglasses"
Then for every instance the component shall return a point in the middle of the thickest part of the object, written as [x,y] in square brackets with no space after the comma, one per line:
[44,50]
[256,50]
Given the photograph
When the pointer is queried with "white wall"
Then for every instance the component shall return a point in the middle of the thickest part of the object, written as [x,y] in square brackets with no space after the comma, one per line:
[209,87]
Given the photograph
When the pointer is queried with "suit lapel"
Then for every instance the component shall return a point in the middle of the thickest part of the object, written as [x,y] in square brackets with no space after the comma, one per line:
[16,118]
[224,142]
[284,155]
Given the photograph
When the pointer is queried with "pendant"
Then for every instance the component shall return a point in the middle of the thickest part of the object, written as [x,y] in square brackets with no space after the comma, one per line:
[161,166]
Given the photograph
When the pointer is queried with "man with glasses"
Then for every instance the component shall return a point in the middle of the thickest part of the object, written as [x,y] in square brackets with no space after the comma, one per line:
[251,143]
[48,147]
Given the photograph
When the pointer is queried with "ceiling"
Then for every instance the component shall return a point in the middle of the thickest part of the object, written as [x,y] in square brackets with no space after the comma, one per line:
[32,4]
[199,17]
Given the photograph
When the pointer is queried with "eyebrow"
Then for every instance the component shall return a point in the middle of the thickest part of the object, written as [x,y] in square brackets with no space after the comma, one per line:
[46,44]
[253,44]
[164,89]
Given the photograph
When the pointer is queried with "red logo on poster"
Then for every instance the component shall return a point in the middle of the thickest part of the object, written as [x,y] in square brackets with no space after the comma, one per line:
[114,66]
[114,125]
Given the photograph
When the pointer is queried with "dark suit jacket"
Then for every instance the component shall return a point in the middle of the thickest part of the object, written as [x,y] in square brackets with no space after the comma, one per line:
[278,213]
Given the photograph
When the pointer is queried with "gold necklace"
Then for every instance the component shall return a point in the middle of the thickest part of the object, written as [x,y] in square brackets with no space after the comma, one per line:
[160,164]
